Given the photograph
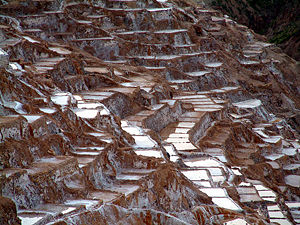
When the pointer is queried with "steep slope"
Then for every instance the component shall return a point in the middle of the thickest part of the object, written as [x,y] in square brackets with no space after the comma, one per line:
[144,112]
[278,20]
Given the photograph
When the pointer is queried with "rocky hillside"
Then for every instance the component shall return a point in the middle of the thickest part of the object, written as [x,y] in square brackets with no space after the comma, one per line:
[278,20]
[144,112]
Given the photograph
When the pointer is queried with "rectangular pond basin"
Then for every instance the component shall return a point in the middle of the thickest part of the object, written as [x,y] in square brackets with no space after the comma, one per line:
[124,188]
[143,141]
[31,218]
[196,174]
[226,203]
[184,146]
[105,196]
[250,198]
[82,202]
[148,153]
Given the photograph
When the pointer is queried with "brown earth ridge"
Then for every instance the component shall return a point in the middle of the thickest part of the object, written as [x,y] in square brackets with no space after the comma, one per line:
[144,112]
[279,20]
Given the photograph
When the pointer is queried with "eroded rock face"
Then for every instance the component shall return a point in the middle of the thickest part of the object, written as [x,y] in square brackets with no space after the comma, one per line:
[144,112]
[8,211]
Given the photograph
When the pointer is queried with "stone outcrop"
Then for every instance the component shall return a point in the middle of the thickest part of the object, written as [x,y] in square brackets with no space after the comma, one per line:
[144,112]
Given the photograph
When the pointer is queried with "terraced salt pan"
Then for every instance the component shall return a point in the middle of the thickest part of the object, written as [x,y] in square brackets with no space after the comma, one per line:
[184,146]
[214,192]
[207,105]
[266,194]
[87,153]
[53,160]
[291,167]
[246,190]
[217,179]
[143,142]
[250,62]
[295,144]
[86,202]
[176,135]
[86,113]
[215,171]
[215,109]
[276,214]
[107,139]
[274,164]
[177,140]
[180,81]
[195,174]
[62,100]
[293,180]
[30,39]
[213,64]
[96,69]
[136,84]
[174,158]
[149,153]
[159,57]
[32,118]
[98,148]
[16,66]
[116,61]
[98,93]
[181,130]
[70,209]
[129,177]
[48,110]
[203,183]
[97,134]
[105,196]
[89,105]
[190,97]
[157,106]
[290,151]
[30,219]
[50,208]
[273,140]
[198,73]
[281,221]
[17,106]
[293,205]
[274,156]
[125,188]
[200,101]
[170,149]
[133,130]
[94,39]
[134,32]
[202,163]
[170,31]
[261,133]
[155,68]
[60,50]
[252,103]
[126,9]
[184,46]
[83,21]
[236,222]
[158,9]
[261,187]
[227,203]
[273,208]
[250,198]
